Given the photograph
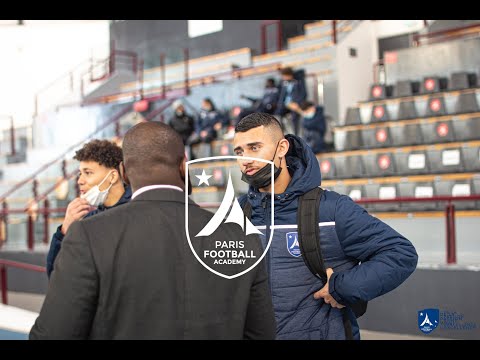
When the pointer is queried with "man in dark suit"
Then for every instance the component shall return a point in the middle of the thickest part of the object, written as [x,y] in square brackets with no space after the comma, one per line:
[129,273]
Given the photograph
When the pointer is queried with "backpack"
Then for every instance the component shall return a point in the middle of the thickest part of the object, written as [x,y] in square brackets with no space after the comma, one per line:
[308,240]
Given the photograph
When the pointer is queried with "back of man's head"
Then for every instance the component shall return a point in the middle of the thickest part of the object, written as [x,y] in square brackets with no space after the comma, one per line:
[287,71]
[306,105]
[270,83]
[153,153]
[261,119]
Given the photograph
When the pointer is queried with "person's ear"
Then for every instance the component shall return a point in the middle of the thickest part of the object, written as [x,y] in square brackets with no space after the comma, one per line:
[283,147]
[182,168]
[183,174]
[123,173]
[114,177]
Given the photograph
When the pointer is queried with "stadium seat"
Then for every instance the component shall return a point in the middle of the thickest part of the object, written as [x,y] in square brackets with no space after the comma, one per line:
[327,167]
[382,191]
[353,116]
[406,88]
[471,156]
[436,106]
[338,187]
[355,192]
[406,134]
[466,129]
[416,190]
[466,103]
[455,188]
[379,113]
[353,140]
[376,137]
[407,110]
[433,84]
[445,160]
[437,132]
[379,164]
[222,148]
[201,150]
[380,91]
[349,166]
[463,80]
[414,162]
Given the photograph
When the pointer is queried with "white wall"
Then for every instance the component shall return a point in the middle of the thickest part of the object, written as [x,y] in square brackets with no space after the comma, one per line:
[388,28]
[355,74]
[37,53]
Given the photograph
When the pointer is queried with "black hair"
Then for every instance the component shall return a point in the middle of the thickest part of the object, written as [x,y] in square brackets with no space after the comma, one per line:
[104,152]
[306,104]
[257,119]
[287,71]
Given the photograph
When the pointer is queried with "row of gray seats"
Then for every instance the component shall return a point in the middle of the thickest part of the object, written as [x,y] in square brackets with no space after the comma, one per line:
[403,189]
[430,84]
[414,190]
[420,107]
[400,162]
[403,134]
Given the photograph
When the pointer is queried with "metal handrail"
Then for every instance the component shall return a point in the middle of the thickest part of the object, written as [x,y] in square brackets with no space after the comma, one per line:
[446,32]
[152,115]
[4,264]
[45,194]
[235,73]
[418,199]
[59,158]
[46,210]
[68,75]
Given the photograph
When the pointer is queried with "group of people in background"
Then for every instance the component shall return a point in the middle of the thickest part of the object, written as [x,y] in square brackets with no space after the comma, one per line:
[286,101]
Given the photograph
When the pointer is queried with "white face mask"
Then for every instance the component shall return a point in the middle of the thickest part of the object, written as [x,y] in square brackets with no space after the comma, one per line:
[94,196]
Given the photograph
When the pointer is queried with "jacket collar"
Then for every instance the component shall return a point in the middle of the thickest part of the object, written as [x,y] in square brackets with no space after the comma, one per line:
[163,195]
[127,195]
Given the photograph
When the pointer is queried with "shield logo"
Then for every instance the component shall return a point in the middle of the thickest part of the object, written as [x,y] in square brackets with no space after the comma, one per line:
[428,320]
[226,242]
[292,244]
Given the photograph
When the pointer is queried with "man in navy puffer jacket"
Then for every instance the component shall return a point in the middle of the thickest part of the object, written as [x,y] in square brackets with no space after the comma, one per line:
[365,257]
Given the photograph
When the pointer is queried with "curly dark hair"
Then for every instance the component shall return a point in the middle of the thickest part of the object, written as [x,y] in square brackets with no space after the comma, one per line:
[104,152]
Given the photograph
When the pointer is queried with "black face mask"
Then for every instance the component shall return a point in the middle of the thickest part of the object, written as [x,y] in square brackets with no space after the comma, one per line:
[262,178]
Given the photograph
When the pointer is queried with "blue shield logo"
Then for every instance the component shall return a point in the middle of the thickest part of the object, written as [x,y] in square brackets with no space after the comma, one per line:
[428,320]
[292,244]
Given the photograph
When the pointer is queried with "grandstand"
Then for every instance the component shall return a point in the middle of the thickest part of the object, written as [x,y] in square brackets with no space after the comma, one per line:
[406,134]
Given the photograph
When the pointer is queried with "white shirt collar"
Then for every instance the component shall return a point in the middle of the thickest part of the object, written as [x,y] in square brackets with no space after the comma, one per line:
[151,187]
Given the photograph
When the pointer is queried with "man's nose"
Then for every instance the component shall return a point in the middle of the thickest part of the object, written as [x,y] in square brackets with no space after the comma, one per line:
[246,162]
